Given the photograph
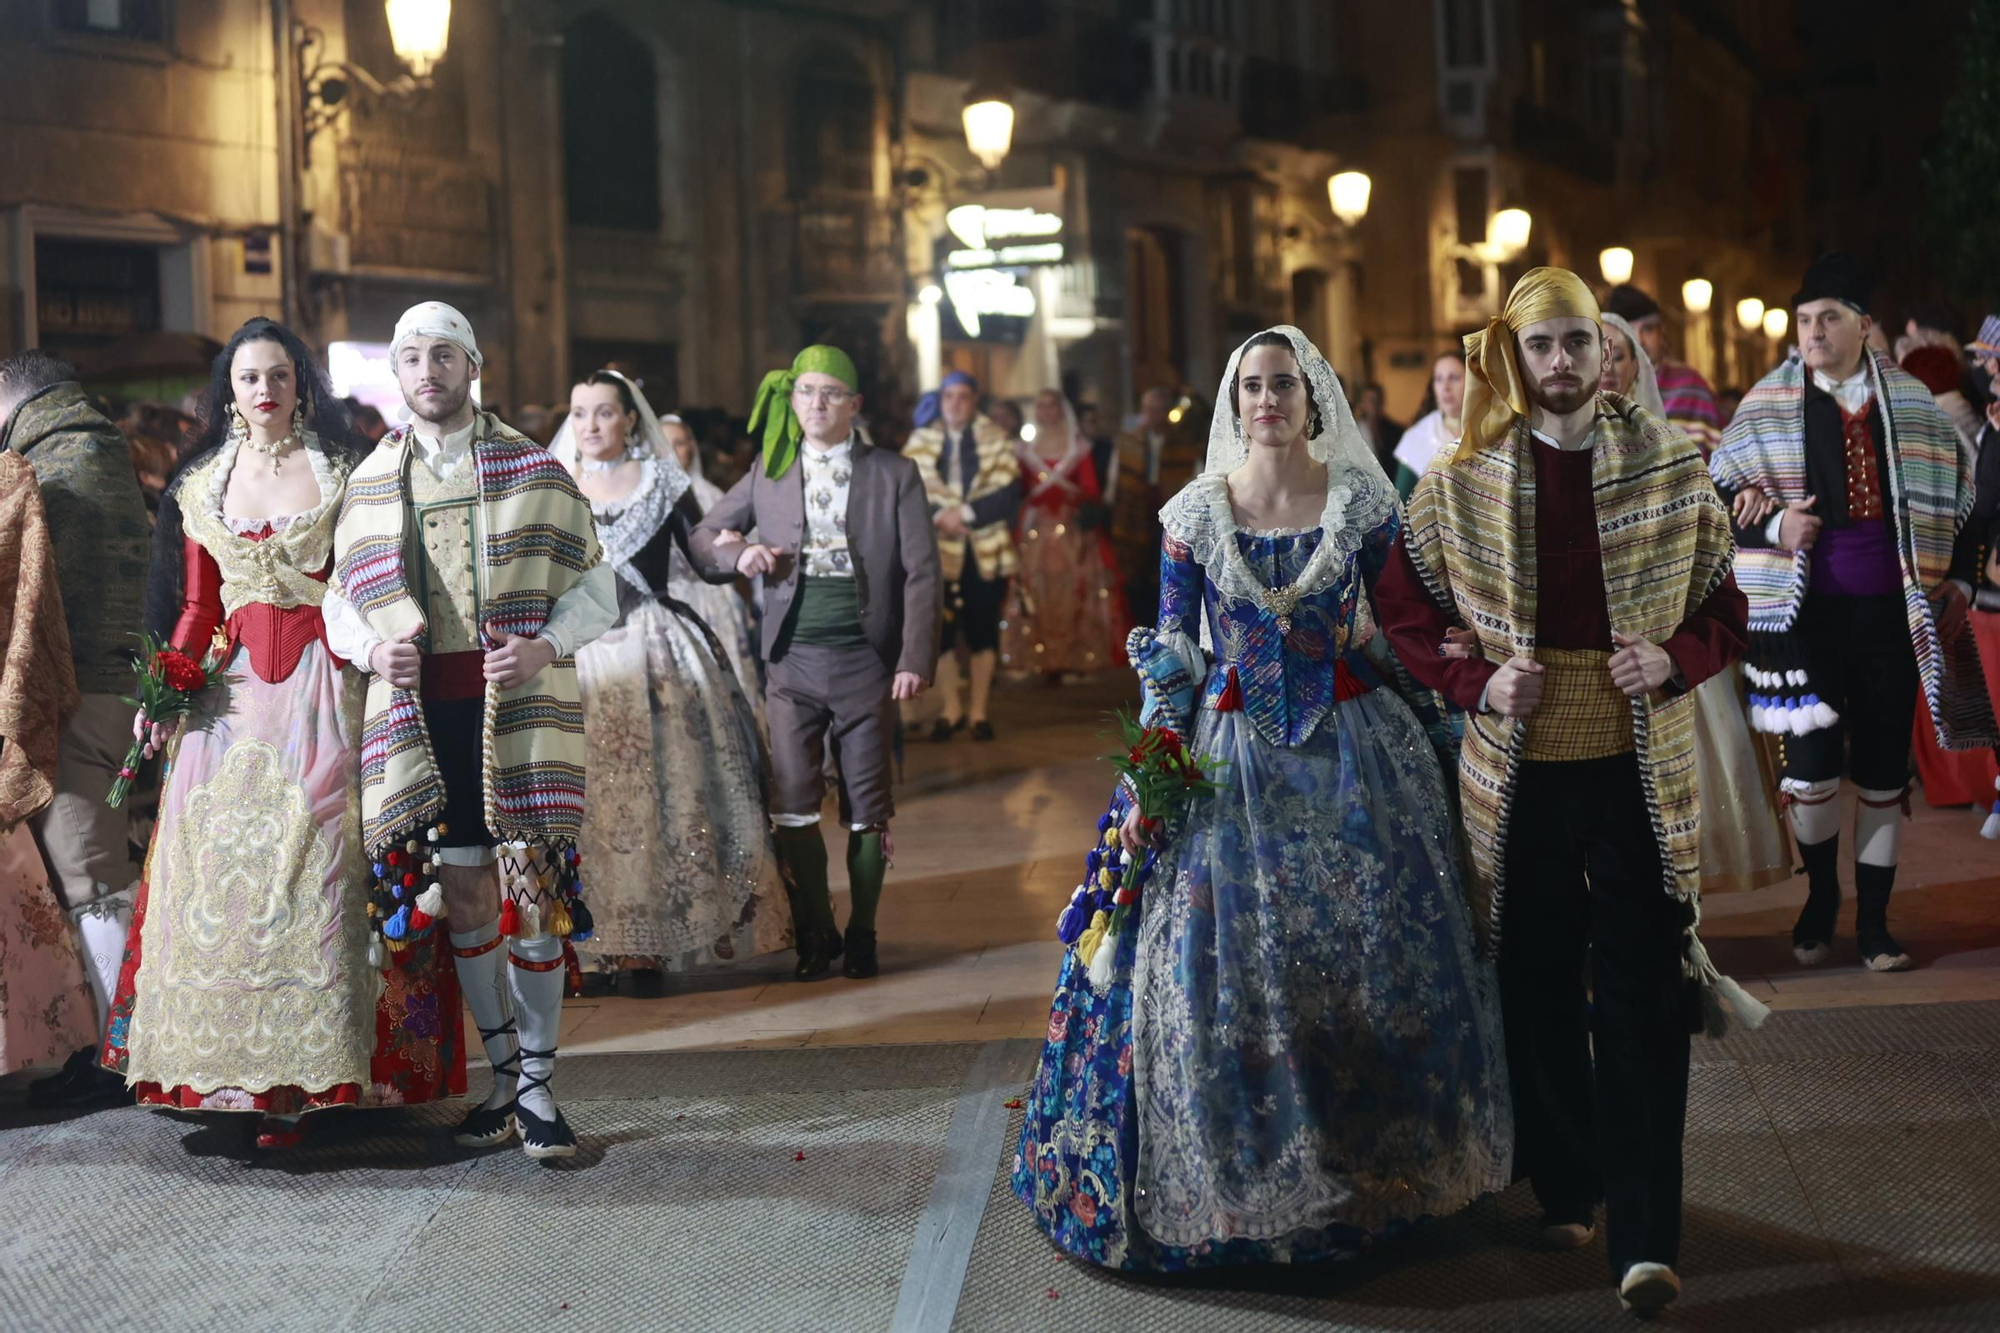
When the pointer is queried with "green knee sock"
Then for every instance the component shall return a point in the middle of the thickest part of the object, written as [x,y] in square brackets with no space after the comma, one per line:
[802,855]
[865,865]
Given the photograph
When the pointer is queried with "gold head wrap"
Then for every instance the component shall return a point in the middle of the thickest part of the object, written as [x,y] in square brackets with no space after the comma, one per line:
[1495,391]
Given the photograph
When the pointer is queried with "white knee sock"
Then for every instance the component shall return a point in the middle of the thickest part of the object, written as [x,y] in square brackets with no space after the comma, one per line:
[479,953]
[984,664]
[1878,826]
[1815,809]
[100,928]
[536,977]
[947,688]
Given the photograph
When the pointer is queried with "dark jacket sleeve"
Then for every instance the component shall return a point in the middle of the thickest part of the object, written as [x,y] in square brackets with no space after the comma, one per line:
[923,583]
[1713,637]
[998,507]
[682,520]
[1979,530]
[735,511]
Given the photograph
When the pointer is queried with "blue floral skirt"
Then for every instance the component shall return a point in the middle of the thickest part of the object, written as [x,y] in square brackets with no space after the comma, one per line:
[1299,1049]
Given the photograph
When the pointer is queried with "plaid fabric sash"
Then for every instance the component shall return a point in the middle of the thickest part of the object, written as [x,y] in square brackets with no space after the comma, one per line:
[536,540]
[1930,494]
[1666,548]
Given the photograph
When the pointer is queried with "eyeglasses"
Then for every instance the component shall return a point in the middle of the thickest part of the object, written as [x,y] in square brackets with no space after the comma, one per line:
[824,397]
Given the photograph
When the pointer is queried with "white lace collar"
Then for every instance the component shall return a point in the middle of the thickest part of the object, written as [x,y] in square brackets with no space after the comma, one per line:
[322,470]
[624,526]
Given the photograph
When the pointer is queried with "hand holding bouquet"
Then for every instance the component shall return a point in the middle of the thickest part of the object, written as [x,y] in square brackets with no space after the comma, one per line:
[168,682]
[1158,780]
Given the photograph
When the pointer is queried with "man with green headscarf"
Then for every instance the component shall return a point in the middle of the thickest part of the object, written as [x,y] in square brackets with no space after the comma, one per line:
[852,609]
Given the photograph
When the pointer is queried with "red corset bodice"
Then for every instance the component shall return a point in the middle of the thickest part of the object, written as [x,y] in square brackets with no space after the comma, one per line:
[275,635]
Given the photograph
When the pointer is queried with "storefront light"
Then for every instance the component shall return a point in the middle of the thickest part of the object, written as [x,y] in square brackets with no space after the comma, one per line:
[1616,265]
[931,294]
[1697,295]
[989,128]
[1776,321]
[419,30]
[1750,314]
[1507,231]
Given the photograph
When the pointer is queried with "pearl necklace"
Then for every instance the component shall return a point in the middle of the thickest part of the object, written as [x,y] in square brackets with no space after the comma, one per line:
[275,450]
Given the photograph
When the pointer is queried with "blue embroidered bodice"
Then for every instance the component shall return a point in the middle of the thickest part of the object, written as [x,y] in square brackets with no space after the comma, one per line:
[1287,678]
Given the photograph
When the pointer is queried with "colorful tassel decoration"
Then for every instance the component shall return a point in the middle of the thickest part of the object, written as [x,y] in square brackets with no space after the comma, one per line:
[559,920]
[510,919]
[581,927]
[398,925]
[431,901]
[531,921]
[1093,936]
[1102,961]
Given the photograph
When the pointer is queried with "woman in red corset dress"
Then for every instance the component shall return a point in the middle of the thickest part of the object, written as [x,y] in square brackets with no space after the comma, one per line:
[248,983]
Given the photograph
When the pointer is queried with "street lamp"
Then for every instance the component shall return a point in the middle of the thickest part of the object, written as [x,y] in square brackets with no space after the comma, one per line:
[1776,321]
[1616,265]
[1750,314]
[1349,192]
[989,127]
[419,30]
[1697,294]
[1507,232]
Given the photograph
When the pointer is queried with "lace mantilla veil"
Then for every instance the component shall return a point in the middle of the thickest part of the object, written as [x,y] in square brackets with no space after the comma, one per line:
[662,482]
[1359,495]
[649,443]
[1646,387]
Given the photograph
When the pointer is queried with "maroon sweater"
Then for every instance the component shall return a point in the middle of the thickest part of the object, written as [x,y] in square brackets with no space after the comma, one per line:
[1571,611]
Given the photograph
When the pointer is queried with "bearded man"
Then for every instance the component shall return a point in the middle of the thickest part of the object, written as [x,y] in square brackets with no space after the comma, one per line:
[467,573]
[972,475]
[1851,487]
[1579,539]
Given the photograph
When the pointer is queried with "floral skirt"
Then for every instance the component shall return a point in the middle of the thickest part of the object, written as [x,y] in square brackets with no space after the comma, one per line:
[677,855]
[1066,604]
[245,984]
[1299,1049]
[45,1008]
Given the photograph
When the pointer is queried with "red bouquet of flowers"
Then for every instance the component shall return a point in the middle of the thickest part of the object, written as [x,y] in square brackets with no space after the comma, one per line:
[168,682]
[1160,779]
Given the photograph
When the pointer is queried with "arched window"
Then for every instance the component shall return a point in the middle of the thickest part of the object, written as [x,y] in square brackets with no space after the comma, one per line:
[833,124]
[610,125]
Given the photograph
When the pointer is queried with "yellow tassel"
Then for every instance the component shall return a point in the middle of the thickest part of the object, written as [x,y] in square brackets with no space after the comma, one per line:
[1111,836]
[396,946]
[1106,878]
[558,923]
[1093,935]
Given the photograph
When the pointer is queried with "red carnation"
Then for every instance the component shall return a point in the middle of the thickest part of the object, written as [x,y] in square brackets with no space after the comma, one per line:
[180,671]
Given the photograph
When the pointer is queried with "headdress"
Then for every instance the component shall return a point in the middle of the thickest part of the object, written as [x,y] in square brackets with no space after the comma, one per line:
[931,406]
[1495,390]
[646,441]
[1838,276]
[435,319]
[1646,386]
[773,408]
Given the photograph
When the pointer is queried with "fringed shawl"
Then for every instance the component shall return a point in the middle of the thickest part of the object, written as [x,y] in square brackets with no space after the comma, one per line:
[999,467]
[1930,488]
[536,540]
[1666,549]
[37,679]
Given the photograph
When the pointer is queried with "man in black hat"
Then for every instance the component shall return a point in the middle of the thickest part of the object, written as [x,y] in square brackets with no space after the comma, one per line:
[1687,396]
[1854,487]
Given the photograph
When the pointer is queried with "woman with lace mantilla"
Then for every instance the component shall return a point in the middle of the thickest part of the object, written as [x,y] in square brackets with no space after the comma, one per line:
[248,983]
[1298,1049]
[676,839]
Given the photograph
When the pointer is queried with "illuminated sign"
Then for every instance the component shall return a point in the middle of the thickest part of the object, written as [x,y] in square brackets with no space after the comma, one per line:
[975,293]
[1003,237]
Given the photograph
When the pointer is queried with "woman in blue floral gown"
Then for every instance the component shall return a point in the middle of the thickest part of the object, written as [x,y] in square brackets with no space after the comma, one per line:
[1297,1050]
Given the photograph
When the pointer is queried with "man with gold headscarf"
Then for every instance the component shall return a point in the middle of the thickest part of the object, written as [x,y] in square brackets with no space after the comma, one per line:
[1577,536]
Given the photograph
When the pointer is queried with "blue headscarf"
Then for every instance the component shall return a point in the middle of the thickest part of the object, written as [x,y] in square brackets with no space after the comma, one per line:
[930,407]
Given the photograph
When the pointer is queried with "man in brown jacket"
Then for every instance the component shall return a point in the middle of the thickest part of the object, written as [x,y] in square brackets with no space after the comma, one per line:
[852,609]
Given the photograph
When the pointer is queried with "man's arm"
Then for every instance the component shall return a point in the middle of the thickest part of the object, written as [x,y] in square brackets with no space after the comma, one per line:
[996,507]
[589,608]
[734,512]
[1715,635]
[923,583]
[1416,628]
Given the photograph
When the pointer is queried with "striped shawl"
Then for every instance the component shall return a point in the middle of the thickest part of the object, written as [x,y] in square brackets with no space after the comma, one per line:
[535,540]
[999,467]
[1666,548]
[1931,493]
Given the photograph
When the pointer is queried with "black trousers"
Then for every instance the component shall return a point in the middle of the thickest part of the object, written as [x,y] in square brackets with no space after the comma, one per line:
[1858,652]
[972,609]
[1584,892]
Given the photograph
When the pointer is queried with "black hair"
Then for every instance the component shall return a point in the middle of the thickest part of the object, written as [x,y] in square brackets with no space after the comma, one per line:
[618,382]
[1315,420]
[325,412]
[25,374]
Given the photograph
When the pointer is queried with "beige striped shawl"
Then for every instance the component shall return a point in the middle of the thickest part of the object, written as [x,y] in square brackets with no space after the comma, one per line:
[1666,547]
[536,540]
[999,466]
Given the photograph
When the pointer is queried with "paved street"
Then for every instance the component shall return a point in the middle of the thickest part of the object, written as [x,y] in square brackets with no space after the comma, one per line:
[765,1155]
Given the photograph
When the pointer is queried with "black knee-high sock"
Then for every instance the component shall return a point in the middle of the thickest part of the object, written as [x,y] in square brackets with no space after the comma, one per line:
[802,856]
[1822,909]
[1872,886]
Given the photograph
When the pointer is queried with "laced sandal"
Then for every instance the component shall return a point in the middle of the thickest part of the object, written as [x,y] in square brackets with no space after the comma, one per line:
[487,1126]
[542,1139]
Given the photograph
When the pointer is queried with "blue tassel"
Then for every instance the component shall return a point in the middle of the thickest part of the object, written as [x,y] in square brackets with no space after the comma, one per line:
[398,925]
[1075,918]
[1104,822]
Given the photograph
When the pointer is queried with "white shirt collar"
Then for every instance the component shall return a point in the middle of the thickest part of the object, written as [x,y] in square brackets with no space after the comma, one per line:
[456,442]
[1851,392]
[1580,446]
[815,454]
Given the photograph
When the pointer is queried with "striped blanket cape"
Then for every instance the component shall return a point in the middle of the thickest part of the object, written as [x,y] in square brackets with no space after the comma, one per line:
[1666,549]
[536,540]
[1930,490]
